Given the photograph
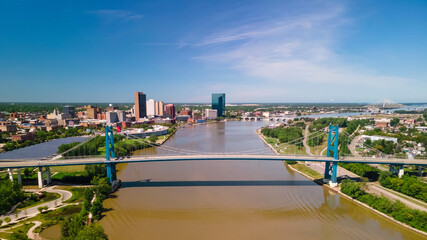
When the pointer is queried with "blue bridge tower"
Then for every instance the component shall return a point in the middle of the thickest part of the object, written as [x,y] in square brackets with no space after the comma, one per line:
[332,151]
[109,144]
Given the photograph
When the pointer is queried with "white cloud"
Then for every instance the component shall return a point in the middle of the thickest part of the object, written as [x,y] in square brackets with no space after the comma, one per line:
[124,15]
[294,52]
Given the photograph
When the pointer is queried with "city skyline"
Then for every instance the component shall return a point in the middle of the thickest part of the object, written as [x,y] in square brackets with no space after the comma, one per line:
[255,52]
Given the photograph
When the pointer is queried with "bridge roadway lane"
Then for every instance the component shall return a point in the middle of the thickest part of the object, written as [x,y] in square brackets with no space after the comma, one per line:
[169,158]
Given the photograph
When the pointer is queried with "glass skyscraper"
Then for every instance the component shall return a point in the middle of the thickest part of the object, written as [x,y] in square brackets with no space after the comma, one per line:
[140,106]
[218,103]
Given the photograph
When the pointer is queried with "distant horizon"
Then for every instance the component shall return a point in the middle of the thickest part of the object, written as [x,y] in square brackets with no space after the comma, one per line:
[204,103]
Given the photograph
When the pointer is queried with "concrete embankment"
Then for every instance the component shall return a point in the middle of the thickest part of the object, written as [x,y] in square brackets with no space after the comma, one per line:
[258,132]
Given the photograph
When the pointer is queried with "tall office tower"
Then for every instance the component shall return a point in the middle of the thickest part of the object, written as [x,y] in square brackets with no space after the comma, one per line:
[218,103]
[170,111]
[161,109]
[140,106]
[68,110]
[151,108]
[157,108]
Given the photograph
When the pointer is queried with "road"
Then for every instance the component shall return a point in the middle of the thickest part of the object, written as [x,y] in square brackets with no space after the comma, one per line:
[307,148]
[210,157]
[375,188]
[352,146]
[379,190]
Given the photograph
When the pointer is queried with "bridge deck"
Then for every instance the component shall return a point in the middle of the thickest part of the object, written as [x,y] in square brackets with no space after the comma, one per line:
[218,157]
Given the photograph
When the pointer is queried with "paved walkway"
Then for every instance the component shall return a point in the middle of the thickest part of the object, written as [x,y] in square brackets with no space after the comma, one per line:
[33,211]
[31,234]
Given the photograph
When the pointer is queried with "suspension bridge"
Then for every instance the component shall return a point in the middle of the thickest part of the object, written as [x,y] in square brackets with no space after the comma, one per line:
[331,160]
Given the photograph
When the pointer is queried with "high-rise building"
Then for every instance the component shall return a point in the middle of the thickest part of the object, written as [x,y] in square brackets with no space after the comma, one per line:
[68,110]
[151,108]
[92,112]
[170,111]
[140,106]
[218,103]
[161,109]
[157,108]
[211,114]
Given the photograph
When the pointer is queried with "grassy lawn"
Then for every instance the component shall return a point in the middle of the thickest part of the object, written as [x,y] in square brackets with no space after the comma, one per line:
[78,193]
[47,197]
[310,172]
[271,141]
[318,149]
[286,149]
[53,217]
[23,229]
[77,168]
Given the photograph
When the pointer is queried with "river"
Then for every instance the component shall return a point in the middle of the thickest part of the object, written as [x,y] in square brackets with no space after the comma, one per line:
[233,199]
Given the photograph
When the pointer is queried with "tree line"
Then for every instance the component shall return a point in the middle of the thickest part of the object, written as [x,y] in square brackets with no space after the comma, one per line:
[11,194]
[408,185]
[284,134]
[414,218]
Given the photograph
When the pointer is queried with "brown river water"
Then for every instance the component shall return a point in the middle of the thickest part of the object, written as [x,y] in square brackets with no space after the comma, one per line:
[233,199]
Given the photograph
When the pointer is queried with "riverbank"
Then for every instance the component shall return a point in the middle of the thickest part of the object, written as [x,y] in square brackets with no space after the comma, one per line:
[306,172]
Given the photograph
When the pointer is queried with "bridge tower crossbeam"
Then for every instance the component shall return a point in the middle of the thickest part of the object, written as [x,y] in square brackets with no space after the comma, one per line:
[331,167]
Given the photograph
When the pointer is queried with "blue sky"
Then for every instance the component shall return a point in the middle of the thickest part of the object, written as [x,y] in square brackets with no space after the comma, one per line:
[182,51]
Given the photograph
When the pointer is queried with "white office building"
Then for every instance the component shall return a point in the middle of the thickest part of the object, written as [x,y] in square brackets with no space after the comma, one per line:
[211,114]
[151,108]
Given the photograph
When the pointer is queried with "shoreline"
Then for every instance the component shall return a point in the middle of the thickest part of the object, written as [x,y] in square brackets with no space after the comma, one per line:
[337,190]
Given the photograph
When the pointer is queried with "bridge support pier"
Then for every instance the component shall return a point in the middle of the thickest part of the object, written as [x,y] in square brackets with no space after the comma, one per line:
[331,167]
[330,175]
[40,177]
[111,172]
[401,171]
[40,174]
[10,172]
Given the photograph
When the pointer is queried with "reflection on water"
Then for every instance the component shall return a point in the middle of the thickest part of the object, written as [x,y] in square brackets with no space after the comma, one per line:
[233,199]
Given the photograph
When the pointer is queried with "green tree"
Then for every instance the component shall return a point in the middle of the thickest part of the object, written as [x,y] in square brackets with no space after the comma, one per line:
[27,172]
[394,121]
[96,209]
[352,189]
[403,129]
[72,225]
[92,232]
[11,193]
[18,236]
[96,170]
[153,138]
